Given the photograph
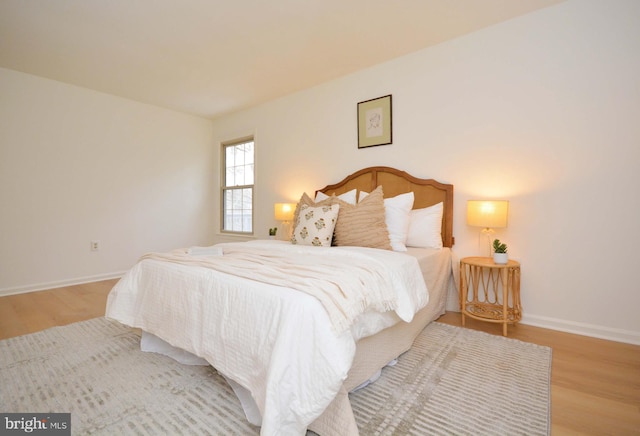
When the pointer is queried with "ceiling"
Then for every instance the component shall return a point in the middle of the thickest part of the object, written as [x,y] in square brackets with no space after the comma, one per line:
[212,57]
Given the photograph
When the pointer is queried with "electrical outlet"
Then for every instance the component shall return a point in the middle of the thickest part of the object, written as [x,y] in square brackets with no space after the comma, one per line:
[95,245]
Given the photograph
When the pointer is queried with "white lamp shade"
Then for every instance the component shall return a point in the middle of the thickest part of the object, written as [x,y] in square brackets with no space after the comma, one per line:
[284,211]
[487,213]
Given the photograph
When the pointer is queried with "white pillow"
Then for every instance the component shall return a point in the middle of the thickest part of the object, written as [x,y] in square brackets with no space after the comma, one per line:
[396,214]
[315,225]
[349,197]
[425,227]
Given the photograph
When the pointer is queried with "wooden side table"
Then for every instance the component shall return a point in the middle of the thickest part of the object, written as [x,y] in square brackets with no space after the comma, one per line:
[490,292]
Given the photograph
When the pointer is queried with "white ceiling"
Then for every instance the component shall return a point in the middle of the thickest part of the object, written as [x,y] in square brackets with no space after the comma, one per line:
[211,57]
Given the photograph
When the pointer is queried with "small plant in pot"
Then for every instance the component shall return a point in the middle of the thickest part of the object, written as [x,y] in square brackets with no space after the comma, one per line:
[272,232]
[500,255]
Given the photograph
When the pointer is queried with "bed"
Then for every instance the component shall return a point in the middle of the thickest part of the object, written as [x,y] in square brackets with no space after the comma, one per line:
[287,356]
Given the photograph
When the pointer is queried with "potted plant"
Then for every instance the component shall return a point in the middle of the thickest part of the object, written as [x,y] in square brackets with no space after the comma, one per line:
[500,255]
[272,232]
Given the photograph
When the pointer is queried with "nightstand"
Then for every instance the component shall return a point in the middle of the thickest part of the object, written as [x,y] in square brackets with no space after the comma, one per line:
[489,291]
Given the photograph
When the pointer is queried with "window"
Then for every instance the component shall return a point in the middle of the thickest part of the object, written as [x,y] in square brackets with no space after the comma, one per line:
[237,186]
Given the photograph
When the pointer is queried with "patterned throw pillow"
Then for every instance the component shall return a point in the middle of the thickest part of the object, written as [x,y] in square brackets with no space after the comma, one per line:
[396,212]
[363,225]
[314,225]
[306,200]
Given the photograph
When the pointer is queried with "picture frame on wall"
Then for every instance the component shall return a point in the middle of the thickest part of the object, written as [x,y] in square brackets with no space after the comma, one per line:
[374,122]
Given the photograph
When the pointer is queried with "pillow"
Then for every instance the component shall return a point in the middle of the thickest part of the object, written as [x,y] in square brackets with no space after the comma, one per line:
[363,224]
[396,211]
[315,225]
[425,227]
[305,199]
[349,197]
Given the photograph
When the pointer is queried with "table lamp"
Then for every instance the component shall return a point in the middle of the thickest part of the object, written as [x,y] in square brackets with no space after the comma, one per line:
[284,213]
[489,214]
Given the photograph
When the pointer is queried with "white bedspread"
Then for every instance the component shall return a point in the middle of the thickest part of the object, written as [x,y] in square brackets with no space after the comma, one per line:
[347,282]
[276,342]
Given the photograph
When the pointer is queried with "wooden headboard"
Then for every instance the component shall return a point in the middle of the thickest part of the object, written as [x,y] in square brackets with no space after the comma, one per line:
[394,182]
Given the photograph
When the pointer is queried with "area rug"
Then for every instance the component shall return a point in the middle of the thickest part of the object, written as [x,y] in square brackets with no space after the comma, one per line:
[453,381]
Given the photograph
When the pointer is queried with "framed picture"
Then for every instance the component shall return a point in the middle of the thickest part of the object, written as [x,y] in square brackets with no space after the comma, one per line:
[374,122]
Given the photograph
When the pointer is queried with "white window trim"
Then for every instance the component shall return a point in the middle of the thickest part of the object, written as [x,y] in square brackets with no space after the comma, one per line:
[223,186]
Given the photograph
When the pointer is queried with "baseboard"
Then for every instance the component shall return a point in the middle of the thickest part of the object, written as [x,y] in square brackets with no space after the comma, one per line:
[60,283]
[579,328]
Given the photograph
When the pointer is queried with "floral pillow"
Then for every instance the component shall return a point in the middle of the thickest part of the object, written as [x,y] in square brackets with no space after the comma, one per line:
[306,200]
[315,225]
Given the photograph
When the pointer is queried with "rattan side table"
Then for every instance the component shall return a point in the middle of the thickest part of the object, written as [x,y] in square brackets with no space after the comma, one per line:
[489,291]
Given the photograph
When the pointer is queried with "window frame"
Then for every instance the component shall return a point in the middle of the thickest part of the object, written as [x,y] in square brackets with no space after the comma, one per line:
[224,187]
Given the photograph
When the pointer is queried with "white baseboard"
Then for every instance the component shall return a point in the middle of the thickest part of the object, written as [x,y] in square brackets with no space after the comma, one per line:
[579,328]
[60,283]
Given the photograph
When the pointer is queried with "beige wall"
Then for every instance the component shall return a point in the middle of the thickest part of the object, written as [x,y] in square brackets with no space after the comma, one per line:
[543,110]
[77,165]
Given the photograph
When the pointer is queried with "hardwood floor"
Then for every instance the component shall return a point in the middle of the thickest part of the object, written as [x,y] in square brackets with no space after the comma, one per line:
[28,313]
[595,384]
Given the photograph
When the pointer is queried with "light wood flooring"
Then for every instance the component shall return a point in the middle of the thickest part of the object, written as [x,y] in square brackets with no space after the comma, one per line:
[595,384]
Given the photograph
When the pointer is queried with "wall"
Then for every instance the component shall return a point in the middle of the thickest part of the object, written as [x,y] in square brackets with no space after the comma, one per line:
[542,110]
[77,165]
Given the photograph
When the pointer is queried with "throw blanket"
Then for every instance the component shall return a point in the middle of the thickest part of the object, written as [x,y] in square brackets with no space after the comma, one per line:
[346,282]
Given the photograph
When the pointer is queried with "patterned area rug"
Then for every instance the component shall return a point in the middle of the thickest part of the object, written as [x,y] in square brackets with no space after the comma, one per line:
[453,381]
[456,381]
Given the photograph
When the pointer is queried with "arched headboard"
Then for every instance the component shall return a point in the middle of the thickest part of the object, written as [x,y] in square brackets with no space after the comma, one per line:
[427,192]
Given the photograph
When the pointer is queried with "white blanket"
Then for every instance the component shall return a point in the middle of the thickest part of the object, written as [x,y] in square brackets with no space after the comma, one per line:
[276,342]
[348,283]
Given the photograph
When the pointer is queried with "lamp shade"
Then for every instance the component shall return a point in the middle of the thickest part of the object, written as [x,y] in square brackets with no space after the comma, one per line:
[284,211]
[487,213]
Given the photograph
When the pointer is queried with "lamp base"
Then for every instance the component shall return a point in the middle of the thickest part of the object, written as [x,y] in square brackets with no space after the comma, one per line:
[488,233]
[285,231]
